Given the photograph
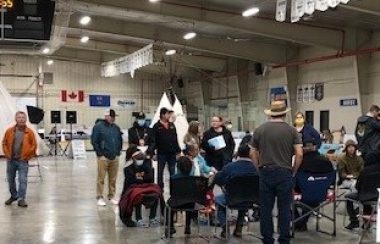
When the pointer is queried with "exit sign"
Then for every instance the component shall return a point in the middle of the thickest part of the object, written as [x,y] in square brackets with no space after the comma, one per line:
[349,102]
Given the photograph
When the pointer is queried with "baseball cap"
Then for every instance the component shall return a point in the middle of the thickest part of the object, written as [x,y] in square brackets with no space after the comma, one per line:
[141,115]
[110,112]
[164,111]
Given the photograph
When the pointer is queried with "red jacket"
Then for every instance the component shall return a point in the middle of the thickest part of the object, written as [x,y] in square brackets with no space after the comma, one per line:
[29,144]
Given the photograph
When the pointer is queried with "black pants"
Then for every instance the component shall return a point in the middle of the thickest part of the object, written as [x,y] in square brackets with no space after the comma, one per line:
[353,212]
[162,160]
[153,211]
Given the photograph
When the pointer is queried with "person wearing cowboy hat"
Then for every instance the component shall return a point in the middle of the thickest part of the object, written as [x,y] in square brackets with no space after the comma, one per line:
[274,144]
[138,171]
[349,165]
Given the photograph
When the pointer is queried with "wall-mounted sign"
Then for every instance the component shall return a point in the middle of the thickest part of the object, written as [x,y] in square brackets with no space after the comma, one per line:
[349,102]
[100,101]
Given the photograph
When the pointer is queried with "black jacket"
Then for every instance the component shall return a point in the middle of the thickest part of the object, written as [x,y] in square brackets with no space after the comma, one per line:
[368,134]
[130,175]
[313,162]
[372,169]
[165,140]
[223,156]
[136,133]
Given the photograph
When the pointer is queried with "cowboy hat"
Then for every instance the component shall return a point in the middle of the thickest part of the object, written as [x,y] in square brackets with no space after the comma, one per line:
[277,108]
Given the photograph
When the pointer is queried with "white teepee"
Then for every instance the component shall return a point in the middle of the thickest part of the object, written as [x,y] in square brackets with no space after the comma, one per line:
[180,123]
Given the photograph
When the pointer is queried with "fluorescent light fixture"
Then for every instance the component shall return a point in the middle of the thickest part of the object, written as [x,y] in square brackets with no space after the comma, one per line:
[84,39]
[154,1]
[250,12]
[50,62]
[46,50]
[85,20]
[189,35]
[170,52]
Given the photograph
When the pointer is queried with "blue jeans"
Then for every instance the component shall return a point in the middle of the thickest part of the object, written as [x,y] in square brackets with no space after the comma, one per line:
[22,167]
[220,201]
[162,159]
[275,182]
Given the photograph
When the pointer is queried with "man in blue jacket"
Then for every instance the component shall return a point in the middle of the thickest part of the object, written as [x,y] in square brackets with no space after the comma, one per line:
[107,141]
[242,167]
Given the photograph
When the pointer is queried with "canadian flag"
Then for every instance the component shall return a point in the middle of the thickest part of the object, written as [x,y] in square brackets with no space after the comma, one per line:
[72,96]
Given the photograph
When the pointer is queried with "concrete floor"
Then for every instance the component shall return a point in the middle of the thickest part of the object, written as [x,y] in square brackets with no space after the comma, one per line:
[62,209]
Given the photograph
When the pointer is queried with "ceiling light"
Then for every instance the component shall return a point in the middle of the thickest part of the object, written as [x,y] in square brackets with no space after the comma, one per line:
[250,12]
[46,50]
[50,62]
[170,52]
[189,35]
[84,39]
[154,1]
[85,20]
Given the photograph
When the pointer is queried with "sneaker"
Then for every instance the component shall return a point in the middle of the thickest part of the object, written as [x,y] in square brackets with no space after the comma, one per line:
[22,203]
[101,202]
[154,222]
[10,201]
[114,201]
[130,223]
[140,223]
[352,226]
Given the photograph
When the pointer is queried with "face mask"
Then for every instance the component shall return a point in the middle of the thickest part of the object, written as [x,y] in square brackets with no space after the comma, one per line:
[141,122]
[139,162]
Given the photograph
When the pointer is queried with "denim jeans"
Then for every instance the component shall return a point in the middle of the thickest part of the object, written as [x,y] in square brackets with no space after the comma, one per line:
[275,182]
[162,159]
[220,201]
[22,167]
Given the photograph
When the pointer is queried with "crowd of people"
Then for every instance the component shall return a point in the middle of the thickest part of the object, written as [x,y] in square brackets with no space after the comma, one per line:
[276,153]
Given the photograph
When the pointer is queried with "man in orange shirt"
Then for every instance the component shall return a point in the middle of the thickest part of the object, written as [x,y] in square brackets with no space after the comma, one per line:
[19,146]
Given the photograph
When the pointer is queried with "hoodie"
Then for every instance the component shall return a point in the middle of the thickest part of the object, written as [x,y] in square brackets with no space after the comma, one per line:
[137,132]
[368,134]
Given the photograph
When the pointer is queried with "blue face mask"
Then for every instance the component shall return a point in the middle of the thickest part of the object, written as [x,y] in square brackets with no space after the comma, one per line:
[141,122]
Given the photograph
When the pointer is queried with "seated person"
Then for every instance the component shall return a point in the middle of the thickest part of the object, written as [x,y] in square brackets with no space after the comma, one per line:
[352,212]
[200,167]
[243,166]
[349,165]
[312,162]
[139,172]
[184,168]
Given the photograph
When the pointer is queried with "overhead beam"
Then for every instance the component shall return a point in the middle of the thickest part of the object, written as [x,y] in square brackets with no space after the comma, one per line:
[170,12]
[261,52]
[371,7]
[194,62]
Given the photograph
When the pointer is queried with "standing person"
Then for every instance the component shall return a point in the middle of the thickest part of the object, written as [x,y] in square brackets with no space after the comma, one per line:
[107,141]
[307,131]
[368,134]
[19,146]
[275,142]
[141,135]
[166,143]
[192,136]
[218,157]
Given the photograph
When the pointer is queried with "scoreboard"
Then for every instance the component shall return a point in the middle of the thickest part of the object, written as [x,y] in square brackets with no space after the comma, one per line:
[27,19]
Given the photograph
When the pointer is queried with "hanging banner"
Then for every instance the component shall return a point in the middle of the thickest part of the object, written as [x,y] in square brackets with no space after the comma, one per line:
[332,3]
[321,5]
[294,12]
[300,6]
[306,93]
[319,91]
[309,6]
[299,94]
[129,63]
[311,93]
[281,10]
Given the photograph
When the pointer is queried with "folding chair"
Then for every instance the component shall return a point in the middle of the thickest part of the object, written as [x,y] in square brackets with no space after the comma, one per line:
[242,193]
[367,195]
[184,191]
[315,190]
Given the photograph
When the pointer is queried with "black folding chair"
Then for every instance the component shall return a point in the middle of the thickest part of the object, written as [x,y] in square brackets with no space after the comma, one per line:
[367,195]
[186,191]
[242,193]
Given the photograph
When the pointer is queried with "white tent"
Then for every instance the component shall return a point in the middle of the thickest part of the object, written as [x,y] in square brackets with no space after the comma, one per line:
[180,123]
[7,119]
